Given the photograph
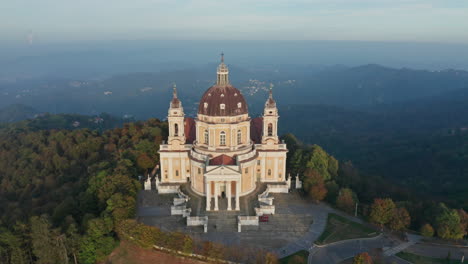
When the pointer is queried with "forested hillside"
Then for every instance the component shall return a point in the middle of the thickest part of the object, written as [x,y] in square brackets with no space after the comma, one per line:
[63,191]
[422,145]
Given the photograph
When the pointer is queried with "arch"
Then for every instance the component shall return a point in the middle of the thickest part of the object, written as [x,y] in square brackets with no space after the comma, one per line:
[176,129]
[222,138]
[270,129]
[239,137]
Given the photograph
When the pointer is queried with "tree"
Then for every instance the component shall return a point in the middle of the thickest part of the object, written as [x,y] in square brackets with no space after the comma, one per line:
[400,219]
[144,162]
[427,230]
[296,259]
[463,220]
[314,185]
[48,245]
[324,164]
[362,258]
[98,241]
[448,224]
[346,200]
[382,211]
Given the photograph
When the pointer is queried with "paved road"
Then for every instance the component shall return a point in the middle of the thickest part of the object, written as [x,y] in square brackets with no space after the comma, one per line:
[438,251]
[320,214]
[412,239]
[337,252]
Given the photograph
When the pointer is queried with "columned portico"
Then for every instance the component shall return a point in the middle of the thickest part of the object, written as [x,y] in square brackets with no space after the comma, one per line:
[225,176]
[216,185]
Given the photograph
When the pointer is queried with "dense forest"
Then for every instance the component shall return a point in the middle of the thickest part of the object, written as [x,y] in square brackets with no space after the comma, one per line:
[68,193]
[69,196]
[64,191]
[379,200]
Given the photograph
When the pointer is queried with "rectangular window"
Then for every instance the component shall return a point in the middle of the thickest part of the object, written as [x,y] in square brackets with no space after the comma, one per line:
[246,170]
[222,139]
[199,171]
[258,162]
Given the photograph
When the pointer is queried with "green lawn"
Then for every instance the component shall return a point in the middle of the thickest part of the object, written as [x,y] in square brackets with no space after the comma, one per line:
[339,228]
[416,259]
[304,254]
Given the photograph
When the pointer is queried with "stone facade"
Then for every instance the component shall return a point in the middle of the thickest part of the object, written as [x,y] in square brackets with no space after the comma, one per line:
[222,152]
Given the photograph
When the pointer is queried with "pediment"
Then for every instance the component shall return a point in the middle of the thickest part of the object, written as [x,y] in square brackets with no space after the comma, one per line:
[223,170]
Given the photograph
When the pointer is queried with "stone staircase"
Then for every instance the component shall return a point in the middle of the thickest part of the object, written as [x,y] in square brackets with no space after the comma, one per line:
[222,221]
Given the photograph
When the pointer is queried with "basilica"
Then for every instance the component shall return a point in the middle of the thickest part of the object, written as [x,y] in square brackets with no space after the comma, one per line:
[222,152]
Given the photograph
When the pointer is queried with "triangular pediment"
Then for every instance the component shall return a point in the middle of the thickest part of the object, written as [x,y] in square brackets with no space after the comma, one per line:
[223,170]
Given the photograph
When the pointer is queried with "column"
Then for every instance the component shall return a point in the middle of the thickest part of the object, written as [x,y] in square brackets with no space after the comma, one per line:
[208,198]
[228,194]
[216,187]
[237,195]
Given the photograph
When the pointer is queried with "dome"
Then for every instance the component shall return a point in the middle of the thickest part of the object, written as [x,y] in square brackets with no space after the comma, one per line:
[222,100]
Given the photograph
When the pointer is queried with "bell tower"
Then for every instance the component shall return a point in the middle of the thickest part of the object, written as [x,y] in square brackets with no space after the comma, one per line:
[175,120]
[270,120]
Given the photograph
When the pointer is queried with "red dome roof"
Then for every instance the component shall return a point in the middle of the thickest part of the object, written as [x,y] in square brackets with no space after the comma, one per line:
[225,100]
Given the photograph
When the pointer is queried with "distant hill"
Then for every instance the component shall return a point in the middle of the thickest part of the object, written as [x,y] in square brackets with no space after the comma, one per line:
[146,95]
[374,85]
[46,121]
[16,112]
[422,143]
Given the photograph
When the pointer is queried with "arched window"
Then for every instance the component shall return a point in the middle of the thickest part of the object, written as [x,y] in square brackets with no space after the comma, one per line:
[222,138]
[239,137]
[176,130]
[269,172]
[206,137]
[270,129]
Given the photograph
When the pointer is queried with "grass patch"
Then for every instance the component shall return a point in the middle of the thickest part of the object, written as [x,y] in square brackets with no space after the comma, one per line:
[417,259]
[339,228]
[301,254]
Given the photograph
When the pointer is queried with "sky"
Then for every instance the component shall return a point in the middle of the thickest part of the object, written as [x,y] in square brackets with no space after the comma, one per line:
[443,21]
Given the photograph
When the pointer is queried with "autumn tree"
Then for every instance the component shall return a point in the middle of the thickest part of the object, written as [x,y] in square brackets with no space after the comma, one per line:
[463,220]
[448,224]
[346,200]
[362,258]
[382,211]
[427,230]
[314,185]
[400,219]
[296,259]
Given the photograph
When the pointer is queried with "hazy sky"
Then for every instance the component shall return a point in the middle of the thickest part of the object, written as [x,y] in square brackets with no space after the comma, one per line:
[374,20]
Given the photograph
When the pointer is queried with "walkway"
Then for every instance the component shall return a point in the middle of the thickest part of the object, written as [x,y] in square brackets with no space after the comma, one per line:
[337,252]
[412,239]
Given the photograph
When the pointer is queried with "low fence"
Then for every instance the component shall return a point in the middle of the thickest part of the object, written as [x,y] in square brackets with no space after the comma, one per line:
[180,210]
[265,209]
[246,220]
[198,221]
[278,188]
